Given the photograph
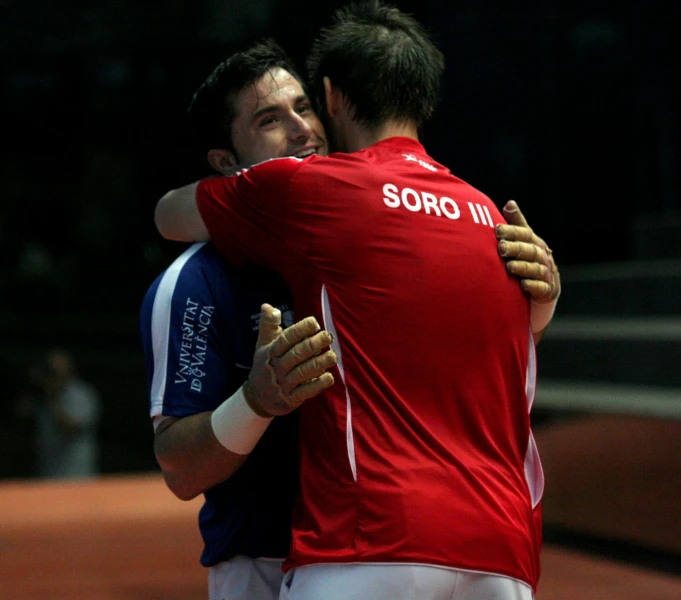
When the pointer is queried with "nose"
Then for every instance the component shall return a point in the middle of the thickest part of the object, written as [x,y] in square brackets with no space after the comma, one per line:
[300,128]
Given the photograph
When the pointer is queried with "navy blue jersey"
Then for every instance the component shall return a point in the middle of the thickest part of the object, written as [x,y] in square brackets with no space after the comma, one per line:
[199,323]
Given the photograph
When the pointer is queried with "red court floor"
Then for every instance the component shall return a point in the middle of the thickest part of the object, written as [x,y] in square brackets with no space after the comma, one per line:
[129,538]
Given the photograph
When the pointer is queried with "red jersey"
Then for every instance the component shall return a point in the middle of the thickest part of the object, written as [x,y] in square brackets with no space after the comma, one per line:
[422,450]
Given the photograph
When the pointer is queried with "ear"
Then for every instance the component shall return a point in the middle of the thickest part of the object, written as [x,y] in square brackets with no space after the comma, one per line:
[333,97]
[223,161]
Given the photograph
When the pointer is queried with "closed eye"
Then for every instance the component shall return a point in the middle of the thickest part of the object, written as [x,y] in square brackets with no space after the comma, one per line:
[269,120]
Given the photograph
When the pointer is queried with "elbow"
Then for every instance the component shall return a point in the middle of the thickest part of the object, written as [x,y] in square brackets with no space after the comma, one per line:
[180,488]
[184,494]
[177,479]
[161,217]
[177,217]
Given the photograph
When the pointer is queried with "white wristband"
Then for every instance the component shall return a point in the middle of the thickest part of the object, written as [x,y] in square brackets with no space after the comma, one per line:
[236,426]
[541,314]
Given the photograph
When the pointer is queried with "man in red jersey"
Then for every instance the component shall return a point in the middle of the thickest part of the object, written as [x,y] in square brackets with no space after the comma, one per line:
[419,475]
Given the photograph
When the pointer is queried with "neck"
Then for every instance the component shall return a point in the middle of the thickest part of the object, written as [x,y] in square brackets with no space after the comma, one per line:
[359,137]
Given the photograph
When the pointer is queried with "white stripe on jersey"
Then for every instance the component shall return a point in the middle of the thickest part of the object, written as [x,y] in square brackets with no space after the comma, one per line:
[531,377]
[482,215]
[489,217]
[473,213]
[534,474]
[335,346]
[160,326]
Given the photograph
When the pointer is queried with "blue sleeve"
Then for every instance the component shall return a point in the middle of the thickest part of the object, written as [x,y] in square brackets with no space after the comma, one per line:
[187,321]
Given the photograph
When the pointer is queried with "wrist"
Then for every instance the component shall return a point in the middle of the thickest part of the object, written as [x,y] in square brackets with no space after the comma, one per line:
[236,425]
[249,397]
[541,315]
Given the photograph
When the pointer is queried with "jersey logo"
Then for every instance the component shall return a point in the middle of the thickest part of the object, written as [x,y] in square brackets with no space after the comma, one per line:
[196,322]
[423,163]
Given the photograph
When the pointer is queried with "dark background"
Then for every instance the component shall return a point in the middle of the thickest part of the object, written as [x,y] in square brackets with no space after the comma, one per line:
[571,108]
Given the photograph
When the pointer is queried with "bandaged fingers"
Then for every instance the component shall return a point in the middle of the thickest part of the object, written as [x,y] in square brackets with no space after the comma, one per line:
[516,233]
[527,256]
[295,355]
[309,389]
[529,270]
[539,291]
[293,335]
[303,361]
[517,229]
[290,369]
[304,370]
[269,326]
[525,251]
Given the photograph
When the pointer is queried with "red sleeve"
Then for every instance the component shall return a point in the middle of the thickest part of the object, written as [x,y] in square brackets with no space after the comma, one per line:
[246,215]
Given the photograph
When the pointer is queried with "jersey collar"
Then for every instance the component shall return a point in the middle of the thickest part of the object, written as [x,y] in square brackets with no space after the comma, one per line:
[400,144]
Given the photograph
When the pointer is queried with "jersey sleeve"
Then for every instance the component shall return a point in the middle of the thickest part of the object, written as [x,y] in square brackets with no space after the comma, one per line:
[189,366]
[249,215]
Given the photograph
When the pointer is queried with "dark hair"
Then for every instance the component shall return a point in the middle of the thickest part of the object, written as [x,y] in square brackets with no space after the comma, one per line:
[383,61]
[212,108]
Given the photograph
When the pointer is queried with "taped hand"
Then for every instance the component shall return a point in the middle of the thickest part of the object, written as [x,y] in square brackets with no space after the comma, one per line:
[528,256]
[289,366]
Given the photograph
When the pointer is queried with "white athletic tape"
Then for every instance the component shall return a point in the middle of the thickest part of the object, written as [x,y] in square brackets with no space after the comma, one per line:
[236,426]
[540,315]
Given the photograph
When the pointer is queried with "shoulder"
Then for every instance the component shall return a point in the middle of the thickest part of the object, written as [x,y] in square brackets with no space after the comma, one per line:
[199,271]
[199,264]
[263,184]
[278,173]
[325,171]
[196,258]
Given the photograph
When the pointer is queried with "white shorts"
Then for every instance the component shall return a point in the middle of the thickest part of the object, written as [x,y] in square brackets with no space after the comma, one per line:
[243,578]
[397,582]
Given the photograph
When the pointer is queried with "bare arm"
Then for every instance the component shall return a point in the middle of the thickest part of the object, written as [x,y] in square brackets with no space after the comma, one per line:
[177,216]
[289,367]
[190,456]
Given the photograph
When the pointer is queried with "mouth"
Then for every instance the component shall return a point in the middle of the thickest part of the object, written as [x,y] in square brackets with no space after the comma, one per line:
[308,151]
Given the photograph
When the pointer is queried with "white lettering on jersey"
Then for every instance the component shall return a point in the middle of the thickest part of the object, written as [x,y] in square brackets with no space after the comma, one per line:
[480,214]
[416,201]
[194,344]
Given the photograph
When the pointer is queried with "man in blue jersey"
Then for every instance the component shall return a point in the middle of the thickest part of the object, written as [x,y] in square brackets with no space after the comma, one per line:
[199,323]
[199,320]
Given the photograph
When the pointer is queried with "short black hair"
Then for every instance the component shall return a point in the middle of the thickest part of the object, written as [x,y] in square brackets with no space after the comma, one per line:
[211,110]
[383,61]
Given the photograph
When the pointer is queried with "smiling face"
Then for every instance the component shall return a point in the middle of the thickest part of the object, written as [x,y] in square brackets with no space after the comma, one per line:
[274,118]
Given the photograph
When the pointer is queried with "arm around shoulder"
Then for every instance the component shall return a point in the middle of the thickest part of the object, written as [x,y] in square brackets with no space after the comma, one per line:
[177,216]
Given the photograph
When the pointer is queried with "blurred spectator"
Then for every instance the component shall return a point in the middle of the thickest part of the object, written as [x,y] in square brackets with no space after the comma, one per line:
[65,411]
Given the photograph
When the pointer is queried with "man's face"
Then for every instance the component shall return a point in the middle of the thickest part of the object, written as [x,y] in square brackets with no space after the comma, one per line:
[274,118]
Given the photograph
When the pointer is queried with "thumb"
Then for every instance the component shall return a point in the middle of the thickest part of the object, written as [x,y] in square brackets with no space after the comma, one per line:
[270,325]
[513,215]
